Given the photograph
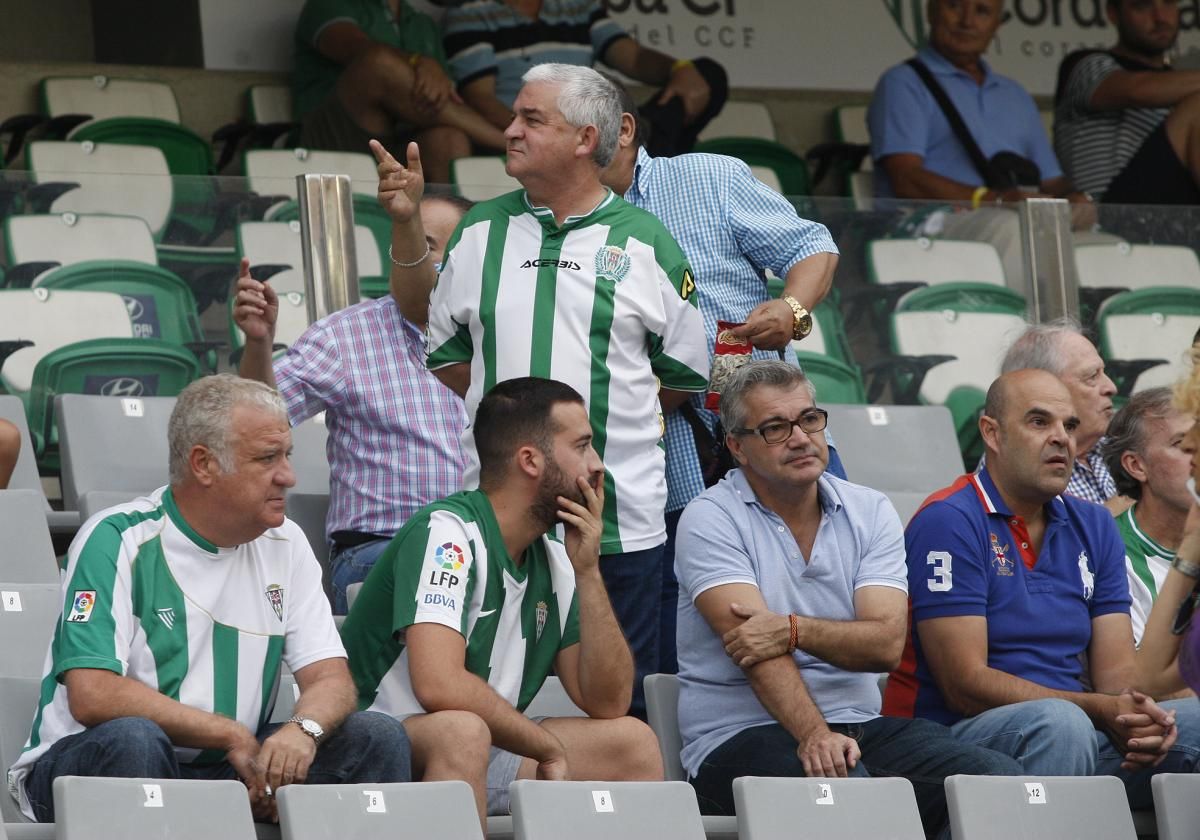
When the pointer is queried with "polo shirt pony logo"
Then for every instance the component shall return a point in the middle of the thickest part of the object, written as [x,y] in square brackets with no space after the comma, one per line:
[1085,574]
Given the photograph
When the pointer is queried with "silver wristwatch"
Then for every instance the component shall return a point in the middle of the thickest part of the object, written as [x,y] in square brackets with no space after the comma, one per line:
[309,727]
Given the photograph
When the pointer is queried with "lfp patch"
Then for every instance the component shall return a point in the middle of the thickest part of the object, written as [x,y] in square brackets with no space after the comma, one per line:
[81,606]
[449,556]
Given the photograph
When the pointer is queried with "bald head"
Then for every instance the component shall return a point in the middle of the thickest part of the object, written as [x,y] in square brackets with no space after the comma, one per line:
[1028,425]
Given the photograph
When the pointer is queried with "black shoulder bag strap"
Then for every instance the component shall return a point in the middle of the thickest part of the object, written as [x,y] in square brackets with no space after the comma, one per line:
[952,116]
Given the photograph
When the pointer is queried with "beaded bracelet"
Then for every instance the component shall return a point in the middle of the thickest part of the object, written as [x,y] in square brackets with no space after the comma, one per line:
[423,257]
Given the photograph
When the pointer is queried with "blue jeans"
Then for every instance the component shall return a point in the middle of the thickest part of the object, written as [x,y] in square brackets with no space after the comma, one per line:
[668,662]
[921,751]
[352,565]
[634,583]
[1056,738]
[367,747]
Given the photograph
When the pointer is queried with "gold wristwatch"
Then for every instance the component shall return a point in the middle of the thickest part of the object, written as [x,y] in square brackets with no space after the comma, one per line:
[801,320]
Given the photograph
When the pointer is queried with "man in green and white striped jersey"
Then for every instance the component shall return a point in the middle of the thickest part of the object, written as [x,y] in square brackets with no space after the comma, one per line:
[1149,456]
[565,279]
[178,610]
[474,602]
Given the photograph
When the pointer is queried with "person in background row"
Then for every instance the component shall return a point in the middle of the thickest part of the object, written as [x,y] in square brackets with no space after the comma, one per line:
[10,448]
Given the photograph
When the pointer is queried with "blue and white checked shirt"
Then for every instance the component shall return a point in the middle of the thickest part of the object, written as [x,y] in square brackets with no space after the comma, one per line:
[394,429]
[732,228]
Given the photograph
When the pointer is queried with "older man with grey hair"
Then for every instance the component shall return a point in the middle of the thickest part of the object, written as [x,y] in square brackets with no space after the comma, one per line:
[565,279]
[1061,348]
[1149,454]
[178,609]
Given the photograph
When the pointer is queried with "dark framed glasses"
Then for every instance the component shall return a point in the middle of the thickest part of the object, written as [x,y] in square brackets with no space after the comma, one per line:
[776,432]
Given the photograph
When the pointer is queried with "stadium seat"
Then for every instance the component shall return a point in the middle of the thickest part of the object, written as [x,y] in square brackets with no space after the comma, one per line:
[817,809]
[552,700]
[368,216]
[272,172]
[140,809]
[112,444]
[269,104]
[850,151]
[39,243]
[662,713]
[160,304]
[1176,805]
[1032,808]
[1106,269]
[605,810]
[480,177]
[276,253]
[833,379]
[28,555]
[268,124]
[740,119]
[138,367]
[1145,335]
[788,166]
[948,341]
[29,614]
[429,810]
[308,501]
[25,476]
[18,704]
[911,448]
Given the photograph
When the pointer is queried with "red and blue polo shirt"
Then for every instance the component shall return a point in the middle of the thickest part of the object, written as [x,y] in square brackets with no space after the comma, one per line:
[968,554]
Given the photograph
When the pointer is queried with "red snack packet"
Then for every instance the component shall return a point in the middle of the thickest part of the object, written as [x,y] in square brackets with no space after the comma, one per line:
[729,354]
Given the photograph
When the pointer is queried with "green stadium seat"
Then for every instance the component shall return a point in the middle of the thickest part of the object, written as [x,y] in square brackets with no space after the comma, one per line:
[789,167]
[1145,336]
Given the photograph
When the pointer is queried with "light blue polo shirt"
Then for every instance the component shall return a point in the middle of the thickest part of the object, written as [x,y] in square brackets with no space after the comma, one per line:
[904,118]
[727,536]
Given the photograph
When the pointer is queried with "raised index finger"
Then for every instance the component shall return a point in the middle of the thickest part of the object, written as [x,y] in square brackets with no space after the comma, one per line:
[381,154]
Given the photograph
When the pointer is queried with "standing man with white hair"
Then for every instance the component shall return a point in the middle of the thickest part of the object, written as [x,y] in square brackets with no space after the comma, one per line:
[566,280]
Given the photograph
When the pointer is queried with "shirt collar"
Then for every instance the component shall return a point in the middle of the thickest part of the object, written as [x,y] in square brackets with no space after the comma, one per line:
[939,65]
[546,216]
[993,502]
[830,503]
[641,172]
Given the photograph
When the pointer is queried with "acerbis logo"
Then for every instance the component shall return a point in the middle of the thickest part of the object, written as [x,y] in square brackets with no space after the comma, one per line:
[122,386]
[571,264]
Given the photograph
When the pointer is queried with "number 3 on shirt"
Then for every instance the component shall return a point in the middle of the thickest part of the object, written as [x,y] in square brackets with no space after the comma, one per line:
[942,580]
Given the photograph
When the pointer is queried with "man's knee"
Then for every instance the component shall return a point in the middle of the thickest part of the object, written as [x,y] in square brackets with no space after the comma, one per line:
[379,737]
[637,748]
[378,68]
[453,739]
[131,747]
[1046,733]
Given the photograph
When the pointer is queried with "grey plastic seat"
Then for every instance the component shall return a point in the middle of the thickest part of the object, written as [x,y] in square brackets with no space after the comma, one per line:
[1177,805]
[804,809]
[29,613]
[87,807]
[552,700]
[113,444]
[1038,808]
[308,500]
[18,703]
[605,810]
[429,810]
[28,555]
[912,448]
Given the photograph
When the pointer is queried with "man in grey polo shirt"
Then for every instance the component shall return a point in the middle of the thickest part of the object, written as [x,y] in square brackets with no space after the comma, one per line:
[792,599]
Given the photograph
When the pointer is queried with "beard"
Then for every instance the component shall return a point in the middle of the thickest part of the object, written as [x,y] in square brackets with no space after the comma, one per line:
[555,483]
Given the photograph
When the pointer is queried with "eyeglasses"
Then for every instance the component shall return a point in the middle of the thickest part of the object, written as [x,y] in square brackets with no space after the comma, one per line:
[777,431]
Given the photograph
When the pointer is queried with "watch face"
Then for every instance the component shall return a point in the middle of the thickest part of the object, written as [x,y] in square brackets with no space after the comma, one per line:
[311,727]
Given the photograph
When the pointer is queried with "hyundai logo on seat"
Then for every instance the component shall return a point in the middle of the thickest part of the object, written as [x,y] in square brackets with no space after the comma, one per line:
[123,386]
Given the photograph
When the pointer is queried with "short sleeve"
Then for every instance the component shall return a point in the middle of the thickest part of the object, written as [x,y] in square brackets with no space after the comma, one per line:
[468,46]
[709,550]
[882,562]
[311,634]
[895,116]
[434,569]
[946,567]
[678,355]
[1111,593]
[97,624]
[318,14]
[310,375]
[1087,74]
[603,31]
[570,633]
[448,331]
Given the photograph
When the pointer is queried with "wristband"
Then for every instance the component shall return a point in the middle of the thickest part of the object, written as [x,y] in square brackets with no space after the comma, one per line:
[413,264]
[414,59]
[793,632]
[681,63]
[977,197]
[1186,567]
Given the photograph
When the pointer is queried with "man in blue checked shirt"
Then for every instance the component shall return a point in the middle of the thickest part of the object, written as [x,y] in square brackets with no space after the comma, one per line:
[732,228]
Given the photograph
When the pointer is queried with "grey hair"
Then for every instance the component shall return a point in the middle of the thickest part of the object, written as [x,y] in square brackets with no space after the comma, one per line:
[1040,347]
[584,98]
[1127,433]
[203,417]
[767,373]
